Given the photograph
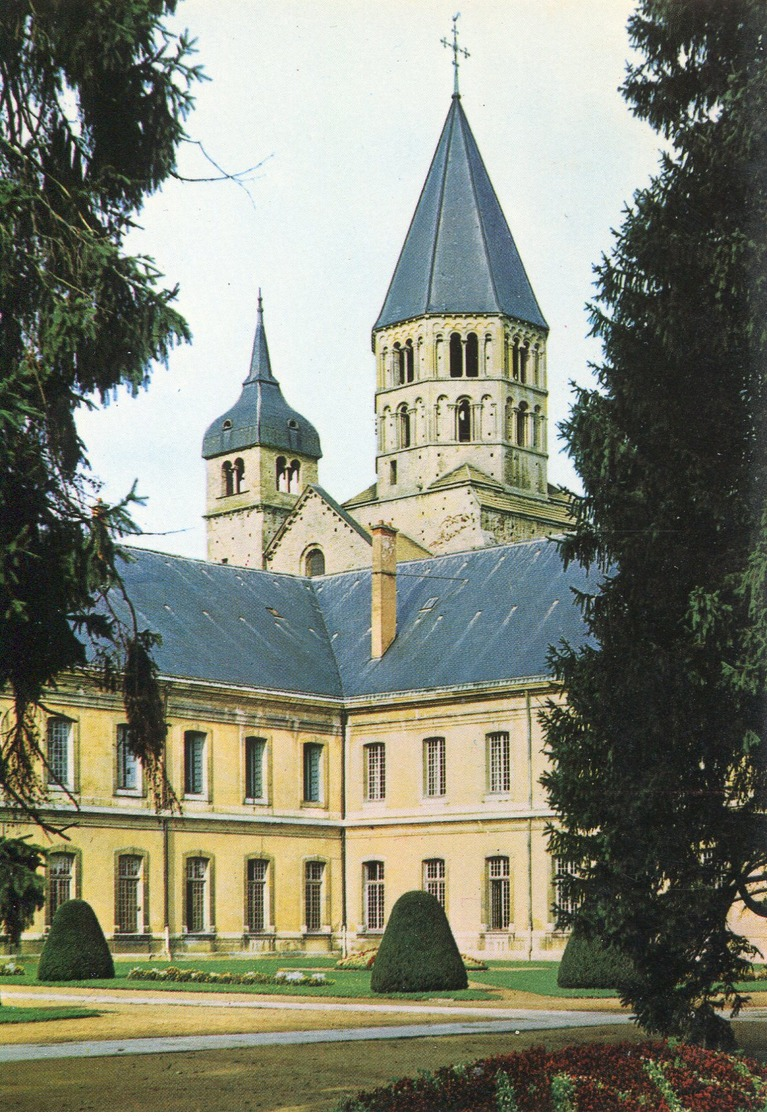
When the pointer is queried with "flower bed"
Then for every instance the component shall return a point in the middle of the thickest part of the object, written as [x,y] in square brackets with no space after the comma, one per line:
[621,1077]
[364,958]
[197,976]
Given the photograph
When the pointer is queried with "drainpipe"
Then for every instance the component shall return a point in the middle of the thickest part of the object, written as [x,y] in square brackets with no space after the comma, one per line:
[344,749]
[166,883]
[530,789]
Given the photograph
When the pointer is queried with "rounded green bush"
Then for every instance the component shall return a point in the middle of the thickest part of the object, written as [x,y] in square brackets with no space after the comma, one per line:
[588,963]
[418,951]
[75,948]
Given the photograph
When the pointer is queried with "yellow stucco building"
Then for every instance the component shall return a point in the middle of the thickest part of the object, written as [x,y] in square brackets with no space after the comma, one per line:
[352,691]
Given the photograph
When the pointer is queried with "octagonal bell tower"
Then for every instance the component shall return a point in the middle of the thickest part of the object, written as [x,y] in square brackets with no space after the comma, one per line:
[260,456]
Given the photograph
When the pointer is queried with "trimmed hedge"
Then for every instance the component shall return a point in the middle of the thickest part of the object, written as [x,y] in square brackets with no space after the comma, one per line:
[75,948]
[587,963]
[418,951]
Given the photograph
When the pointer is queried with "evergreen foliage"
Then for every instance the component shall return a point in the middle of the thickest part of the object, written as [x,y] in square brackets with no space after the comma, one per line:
[588,963]
[75,948]
[22,889]
[659,761]
[418,951]
[93,98]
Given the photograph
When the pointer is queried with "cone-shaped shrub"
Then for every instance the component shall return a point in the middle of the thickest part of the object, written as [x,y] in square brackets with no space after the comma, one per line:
[75,948]
[587,963]
[418,951]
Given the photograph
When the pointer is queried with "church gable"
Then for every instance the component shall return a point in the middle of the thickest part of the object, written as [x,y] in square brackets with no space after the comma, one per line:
[319,536]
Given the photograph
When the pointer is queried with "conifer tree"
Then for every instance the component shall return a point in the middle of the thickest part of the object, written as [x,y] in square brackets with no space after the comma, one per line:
[93,97]
[659,760]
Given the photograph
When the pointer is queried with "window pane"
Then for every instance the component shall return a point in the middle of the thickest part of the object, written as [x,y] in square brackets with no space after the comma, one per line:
[256,898]
[194,757]
[434,879]
[313,894]
[61,871]
[59,736]
[312,770]
[375,783]
[127,762]
[196,894]
[435,766]
[373,874]
[500,762]
[254,767]
[499,893]
[129,882]
[564,867]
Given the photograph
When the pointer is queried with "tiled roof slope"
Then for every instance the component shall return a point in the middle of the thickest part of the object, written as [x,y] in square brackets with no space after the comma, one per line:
[459,256]
[479,617]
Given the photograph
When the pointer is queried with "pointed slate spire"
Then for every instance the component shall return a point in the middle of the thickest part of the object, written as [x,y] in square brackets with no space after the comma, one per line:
[459,256]
[260,365]
[261,417]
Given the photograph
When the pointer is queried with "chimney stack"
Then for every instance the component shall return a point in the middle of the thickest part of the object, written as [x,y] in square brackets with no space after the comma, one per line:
[383,621]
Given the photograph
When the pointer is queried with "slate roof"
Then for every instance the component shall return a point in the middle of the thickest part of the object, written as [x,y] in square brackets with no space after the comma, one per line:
[479,617]
[261,417]
[459,255]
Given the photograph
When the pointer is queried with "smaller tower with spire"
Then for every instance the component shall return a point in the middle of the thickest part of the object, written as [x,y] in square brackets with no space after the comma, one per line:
[260,456]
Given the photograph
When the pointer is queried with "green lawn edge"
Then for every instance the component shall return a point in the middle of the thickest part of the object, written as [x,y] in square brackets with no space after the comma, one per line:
[43,1015]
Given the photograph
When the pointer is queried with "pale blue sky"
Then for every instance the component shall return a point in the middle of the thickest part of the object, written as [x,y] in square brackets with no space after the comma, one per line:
[342,103]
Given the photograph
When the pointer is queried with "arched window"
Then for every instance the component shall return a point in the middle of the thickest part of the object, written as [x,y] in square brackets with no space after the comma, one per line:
[129,894]
[463,421]
[294,476]
[197,897]
[456,355]
[373,883]
[227,479]
[434,879]
[257,896]
[314,563]
[524,353]
[498,893]
[535,430]
[281,474]
[509,428]
[403,423]
[472,355]
[515,359]
[399,364]
[522,424]
[409,362]
[239,474]
[536,358]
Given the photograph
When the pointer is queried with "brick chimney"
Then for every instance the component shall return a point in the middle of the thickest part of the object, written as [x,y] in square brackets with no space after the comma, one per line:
[383,620]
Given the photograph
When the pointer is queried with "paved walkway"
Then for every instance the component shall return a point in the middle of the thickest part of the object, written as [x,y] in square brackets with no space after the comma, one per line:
[532,1021]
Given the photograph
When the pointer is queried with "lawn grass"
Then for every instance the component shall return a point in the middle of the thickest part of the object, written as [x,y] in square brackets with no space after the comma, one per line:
[42,1015]
[347,984]
[540,977]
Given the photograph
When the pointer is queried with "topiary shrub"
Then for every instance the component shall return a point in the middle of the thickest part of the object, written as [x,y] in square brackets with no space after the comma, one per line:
[75,948]
[418,951]
[588,963]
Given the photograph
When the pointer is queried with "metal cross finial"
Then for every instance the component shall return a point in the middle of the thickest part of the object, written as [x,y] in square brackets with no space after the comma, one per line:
[456,51]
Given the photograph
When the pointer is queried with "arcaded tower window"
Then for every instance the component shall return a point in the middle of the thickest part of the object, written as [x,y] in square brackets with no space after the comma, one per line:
[463,421]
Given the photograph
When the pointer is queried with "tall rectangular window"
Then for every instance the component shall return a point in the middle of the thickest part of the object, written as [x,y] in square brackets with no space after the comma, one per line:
[312,772]
[194,763]
[129,913]
[375,771]
[434,766]
[128,772]
[434,879]
[59,751]
[499,893]
[373,883]
[565,902]
[61,881]
[256,899]
[499,762]
[255,749]
[196,906]
[313,874]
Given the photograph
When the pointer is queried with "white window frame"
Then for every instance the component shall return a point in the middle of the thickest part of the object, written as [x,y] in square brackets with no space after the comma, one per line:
[375,771]
[374,896]
[435,878]
[196,736]
[126,760]
[434,767]
[254,884]
[56,768]
[498,746]
[313,752]
[136,879]
[314,882]
[203,867]
[252,743]
[62,860]
[498,870]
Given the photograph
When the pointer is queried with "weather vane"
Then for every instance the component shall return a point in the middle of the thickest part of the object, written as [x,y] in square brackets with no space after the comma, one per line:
[456,51]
